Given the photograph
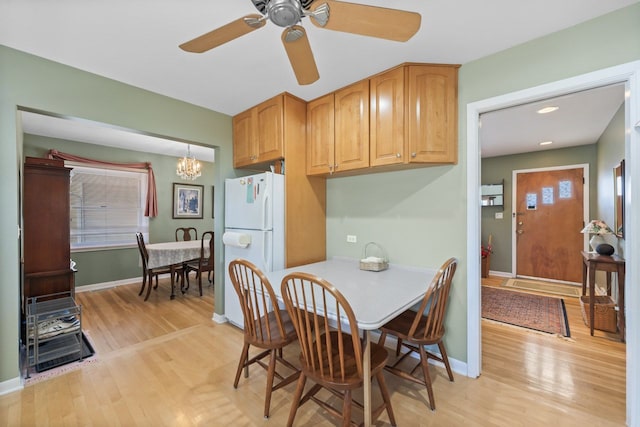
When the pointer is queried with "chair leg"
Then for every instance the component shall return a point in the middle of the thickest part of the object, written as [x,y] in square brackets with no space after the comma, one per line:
[200,282]
[424,362]
[243,360]
[398,347]
[346,409]
[144,283]
[270,375]
[383,338]
[386,397]
[295,403]
[445,360]
[149,287]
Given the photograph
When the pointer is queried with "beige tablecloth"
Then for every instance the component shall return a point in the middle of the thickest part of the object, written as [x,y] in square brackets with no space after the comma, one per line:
[161,254]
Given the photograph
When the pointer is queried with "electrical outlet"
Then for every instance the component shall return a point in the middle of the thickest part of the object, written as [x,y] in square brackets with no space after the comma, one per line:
[351,238]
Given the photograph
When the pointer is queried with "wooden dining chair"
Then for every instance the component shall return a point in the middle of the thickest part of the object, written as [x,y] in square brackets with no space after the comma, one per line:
[186,233]
[414,330]
[204,264]
[330,352]
[149,273]
[265,326]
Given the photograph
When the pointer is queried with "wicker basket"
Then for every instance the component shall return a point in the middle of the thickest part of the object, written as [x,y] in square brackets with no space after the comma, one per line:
[604,312]
[381,262]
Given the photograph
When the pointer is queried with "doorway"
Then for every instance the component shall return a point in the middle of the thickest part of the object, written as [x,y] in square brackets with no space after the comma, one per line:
[629,74]
[550,208]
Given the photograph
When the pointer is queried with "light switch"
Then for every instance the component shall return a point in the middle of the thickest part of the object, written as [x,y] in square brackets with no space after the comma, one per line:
[499,215]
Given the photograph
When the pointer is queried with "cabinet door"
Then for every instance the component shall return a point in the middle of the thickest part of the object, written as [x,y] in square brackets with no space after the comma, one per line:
[352,127]
[269,130]
[320,135]
[243,139]
[386,130]
[432,109]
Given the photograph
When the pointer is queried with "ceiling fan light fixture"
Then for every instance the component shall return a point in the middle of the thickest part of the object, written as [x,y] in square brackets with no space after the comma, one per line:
[284,13]
[321,14]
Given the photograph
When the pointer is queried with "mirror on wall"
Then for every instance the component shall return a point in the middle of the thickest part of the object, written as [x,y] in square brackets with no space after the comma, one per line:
[618,185]
[492,194]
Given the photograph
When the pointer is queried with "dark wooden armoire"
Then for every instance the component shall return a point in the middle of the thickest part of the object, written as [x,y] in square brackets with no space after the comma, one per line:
[45,231]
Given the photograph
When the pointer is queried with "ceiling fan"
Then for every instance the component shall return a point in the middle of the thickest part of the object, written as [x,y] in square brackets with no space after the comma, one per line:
[372,21]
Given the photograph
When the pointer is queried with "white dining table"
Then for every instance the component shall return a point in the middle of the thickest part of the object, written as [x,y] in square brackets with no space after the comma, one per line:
[174,253]
[375,297]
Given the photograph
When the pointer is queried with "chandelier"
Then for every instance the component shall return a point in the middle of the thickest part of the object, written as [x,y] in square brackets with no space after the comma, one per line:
[188,167]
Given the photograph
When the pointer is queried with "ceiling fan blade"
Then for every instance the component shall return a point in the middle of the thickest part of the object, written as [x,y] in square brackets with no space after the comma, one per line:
[224,34]
[372,21]
[300,56]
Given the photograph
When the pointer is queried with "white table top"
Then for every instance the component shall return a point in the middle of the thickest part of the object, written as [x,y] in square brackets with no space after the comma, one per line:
[168,253]
[375,297]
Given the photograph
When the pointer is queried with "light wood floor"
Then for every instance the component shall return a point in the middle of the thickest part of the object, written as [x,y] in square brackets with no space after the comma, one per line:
[166,363]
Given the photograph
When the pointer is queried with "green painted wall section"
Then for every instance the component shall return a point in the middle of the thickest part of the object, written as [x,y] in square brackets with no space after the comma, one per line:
[495,169]
[32,82]
[91,264]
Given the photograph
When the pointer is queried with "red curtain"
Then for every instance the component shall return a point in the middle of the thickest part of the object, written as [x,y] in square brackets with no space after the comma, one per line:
[151,208]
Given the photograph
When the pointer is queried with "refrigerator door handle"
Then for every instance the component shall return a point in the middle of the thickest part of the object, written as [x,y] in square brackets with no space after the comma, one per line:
[267,251]
[266,203]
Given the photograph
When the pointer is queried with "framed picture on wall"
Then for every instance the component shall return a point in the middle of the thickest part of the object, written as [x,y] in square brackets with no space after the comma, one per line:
[187,200]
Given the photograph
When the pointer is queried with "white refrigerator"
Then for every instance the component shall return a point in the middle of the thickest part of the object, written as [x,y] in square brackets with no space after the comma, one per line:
[254,230]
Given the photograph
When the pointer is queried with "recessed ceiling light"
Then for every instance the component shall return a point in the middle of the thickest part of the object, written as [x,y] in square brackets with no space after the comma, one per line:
[546,110]
[546,142]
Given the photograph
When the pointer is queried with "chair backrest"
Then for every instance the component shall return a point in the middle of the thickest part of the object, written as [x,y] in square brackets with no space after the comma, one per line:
[430,327]
[257,300]
[207,237]
[143,250]
[315,306]
[186,233]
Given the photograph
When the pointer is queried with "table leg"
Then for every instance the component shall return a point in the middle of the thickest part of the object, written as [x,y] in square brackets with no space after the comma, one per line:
[621,315]
[584,278]
[367,378]
[592,296]
[608,283]
[172,270]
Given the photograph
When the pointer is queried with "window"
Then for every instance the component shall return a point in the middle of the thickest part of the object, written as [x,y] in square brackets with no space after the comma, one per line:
[107,207]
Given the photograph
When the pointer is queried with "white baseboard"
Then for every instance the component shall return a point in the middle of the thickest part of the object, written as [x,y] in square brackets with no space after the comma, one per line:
[500,273]
[219,318]
[457,366]
[113,284]
[9,386]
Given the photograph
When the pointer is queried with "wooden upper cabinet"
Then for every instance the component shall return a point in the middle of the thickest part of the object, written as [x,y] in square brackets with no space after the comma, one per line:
[386,128]
[432,110]
[352,127]
[258,133]
[320,135]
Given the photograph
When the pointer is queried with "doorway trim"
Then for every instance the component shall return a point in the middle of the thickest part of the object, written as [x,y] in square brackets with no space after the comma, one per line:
[585,204]
[629,74]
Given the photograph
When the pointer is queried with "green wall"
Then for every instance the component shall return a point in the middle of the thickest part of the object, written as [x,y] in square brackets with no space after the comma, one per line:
[91,264]
[36,83]
[495,169]
[610,153]
[419,215]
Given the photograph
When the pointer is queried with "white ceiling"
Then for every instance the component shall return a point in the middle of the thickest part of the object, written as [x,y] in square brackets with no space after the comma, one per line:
[580,119]
[136,42]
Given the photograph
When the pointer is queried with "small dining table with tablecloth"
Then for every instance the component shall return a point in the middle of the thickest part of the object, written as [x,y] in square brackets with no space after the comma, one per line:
[174,253]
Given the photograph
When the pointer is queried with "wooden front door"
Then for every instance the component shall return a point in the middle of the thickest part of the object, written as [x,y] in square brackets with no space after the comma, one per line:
[549,216]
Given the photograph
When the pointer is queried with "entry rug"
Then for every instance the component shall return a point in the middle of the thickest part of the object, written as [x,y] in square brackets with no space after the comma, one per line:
[546,287]
[537,312]
[62,365]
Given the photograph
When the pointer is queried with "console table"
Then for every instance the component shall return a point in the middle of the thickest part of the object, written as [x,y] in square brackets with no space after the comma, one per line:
[591,262]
